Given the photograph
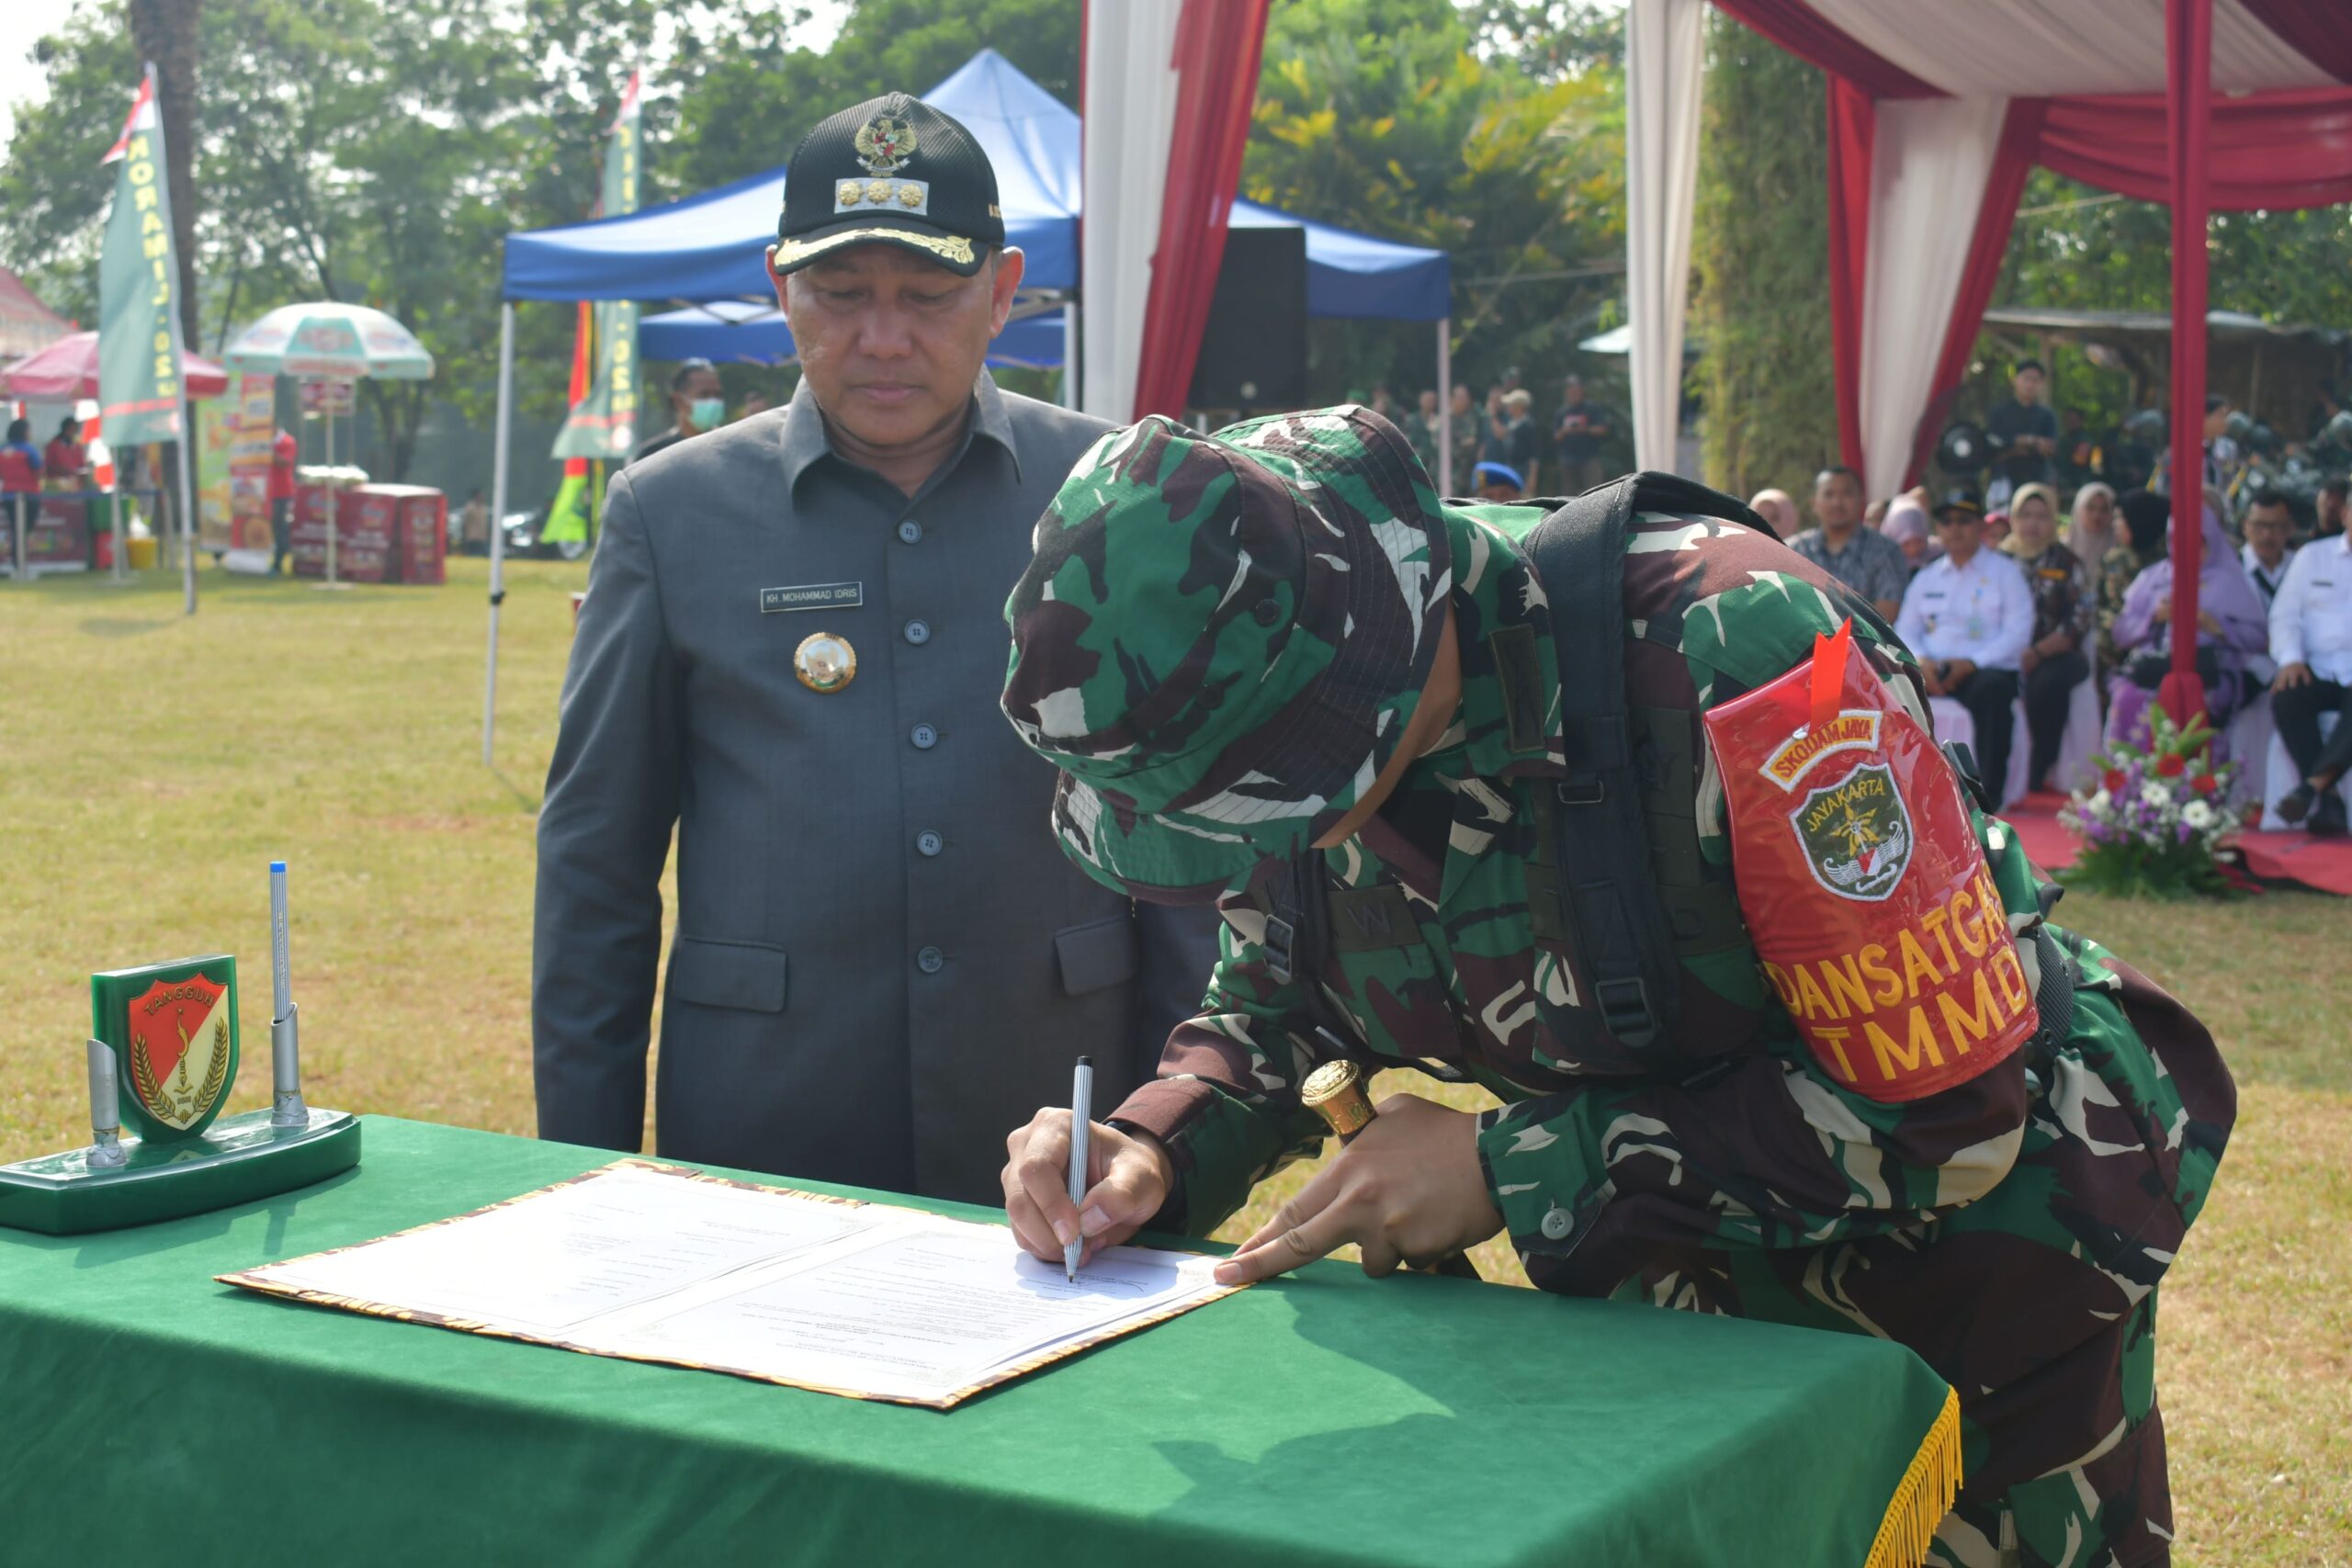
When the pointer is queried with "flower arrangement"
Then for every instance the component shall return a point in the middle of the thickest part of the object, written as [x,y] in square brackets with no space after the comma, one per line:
[2156,816]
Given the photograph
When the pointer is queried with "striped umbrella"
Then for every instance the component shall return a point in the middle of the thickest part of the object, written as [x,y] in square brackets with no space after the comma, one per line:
[328,342]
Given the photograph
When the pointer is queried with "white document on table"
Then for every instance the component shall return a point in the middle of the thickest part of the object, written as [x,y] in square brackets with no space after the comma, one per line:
[659,1263]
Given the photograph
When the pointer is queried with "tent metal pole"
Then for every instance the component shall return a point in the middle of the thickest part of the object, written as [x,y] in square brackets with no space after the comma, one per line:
[1445,405]
[187,528]
[498,523]
[1070,354]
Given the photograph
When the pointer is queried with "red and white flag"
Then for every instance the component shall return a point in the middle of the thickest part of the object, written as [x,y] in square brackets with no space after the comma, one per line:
[142,117]
[1167,95]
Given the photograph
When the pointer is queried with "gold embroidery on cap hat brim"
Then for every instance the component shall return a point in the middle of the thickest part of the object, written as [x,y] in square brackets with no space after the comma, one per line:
[952,248]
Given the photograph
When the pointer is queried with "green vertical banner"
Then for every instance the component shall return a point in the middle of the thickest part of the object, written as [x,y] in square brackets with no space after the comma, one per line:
[139,280]
[603,424]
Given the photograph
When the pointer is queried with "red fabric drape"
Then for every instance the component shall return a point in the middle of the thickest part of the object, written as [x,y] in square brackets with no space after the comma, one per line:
[2188,70]
[577,467]
[1995,216]
[1218,44]
[1799,29]
[2282,149]
[2316,29]
[1853,134]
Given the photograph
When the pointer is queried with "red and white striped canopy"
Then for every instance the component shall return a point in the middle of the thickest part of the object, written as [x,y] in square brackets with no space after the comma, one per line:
[1938,111]
[2018,49]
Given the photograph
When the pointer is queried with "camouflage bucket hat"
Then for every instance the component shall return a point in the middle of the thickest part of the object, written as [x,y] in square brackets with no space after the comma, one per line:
[1221,640]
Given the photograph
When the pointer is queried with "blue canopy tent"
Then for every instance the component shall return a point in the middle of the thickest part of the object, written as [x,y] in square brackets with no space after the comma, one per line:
[740,333]
[711,246]
[709,250]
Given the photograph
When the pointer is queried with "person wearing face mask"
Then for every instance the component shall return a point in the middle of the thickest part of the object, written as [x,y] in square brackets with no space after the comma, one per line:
[789,653]
[696,404]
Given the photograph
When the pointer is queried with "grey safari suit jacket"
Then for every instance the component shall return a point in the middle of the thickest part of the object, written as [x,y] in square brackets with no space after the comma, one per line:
[883,962]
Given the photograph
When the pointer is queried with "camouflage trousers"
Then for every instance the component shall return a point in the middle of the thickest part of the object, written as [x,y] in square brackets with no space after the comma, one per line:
[2037,1303]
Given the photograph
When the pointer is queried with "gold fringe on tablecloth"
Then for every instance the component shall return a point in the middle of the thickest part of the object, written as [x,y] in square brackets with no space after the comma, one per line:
[1923,1496]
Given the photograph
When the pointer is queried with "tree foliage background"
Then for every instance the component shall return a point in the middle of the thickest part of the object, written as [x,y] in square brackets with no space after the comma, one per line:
[1494,132]
[1760,265]
[378,150]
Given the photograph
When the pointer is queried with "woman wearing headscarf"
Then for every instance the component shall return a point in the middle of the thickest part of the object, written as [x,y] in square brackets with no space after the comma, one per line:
[1906,525]
[2231,629]
[2057,659]
[2146,517]
[2091,531]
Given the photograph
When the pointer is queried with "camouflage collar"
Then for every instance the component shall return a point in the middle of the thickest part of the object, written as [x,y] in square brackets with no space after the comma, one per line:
[1508,657]
[1499,605]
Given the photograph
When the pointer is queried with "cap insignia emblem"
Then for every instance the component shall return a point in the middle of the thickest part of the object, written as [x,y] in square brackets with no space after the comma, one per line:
[884,144]
[850,195]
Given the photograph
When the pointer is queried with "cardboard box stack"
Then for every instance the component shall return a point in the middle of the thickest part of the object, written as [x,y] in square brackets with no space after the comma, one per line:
[383,533]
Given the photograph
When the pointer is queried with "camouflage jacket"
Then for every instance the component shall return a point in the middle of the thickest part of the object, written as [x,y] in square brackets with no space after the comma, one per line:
[1757,1147]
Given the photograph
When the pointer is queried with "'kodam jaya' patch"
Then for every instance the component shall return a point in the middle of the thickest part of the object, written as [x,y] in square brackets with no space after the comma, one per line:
[1857,834]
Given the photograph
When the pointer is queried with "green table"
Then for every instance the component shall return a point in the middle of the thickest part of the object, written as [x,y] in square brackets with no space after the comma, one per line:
[1328,1418]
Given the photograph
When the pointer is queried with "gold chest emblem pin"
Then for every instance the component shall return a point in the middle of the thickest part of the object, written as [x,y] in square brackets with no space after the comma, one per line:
[825,662]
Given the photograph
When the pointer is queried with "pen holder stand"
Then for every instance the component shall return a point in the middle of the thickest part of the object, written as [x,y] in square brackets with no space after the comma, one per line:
[162,1061]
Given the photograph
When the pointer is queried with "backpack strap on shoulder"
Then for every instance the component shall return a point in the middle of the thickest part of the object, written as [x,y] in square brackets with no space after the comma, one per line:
[1604,888]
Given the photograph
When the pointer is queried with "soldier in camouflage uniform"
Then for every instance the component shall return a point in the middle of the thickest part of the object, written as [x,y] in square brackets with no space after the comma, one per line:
[1238,646]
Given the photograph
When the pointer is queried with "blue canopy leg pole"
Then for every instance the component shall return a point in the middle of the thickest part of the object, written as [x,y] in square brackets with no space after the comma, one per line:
[498,521]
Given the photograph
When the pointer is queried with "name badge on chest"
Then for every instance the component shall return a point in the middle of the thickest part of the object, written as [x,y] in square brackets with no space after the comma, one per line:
[812,596]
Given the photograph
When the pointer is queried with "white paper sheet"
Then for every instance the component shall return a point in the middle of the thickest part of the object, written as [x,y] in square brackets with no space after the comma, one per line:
[656,1264]
[920,1311]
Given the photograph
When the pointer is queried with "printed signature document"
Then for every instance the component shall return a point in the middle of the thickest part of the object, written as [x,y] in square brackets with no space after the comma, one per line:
[657,1263]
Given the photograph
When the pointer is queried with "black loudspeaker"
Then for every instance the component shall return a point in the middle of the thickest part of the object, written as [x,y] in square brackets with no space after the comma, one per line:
[1253,351]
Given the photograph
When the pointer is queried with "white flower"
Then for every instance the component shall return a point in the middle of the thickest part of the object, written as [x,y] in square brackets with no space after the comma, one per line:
[2155,794]
[2198,815]
[2100,804]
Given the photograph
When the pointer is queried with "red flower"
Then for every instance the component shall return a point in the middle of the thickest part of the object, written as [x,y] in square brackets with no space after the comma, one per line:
[2114,781]
[2170,765]
[2204,784]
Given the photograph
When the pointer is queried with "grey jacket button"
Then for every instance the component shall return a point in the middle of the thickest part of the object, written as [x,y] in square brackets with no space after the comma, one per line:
[911,532]
[930,961]
[929,843]
[925,736]
[918,632]
[1558,1224]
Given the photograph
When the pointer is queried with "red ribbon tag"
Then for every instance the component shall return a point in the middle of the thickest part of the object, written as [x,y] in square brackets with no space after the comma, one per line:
[1829,673]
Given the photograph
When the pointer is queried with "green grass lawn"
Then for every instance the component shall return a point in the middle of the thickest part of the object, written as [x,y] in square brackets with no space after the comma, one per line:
[151,765]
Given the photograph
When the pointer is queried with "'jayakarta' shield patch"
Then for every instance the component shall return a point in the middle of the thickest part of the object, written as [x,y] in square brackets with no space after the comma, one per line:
[179,1049]
[1857,834]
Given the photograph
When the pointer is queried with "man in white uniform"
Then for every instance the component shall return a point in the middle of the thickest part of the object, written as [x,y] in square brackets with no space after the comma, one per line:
[2311,638]
[1968,618]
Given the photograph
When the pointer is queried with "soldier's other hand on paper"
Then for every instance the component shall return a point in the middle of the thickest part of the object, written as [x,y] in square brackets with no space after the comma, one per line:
[1407,1189]
[1128,1177]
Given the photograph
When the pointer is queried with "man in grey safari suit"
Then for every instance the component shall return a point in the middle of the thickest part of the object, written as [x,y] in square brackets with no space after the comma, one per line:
[791,650]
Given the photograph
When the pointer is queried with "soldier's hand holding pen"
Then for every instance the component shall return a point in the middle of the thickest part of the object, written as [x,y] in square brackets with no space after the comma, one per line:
[1408,1189]
[1129,1176]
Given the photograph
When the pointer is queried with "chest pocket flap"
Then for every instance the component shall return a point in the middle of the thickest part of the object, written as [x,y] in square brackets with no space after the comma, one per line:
[1366,919]
[1098,954]
[749,975]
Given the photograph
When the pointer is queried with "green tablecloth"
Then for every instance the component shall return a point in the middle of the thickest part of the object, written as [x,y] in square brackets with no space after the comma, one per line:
[152,1413]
